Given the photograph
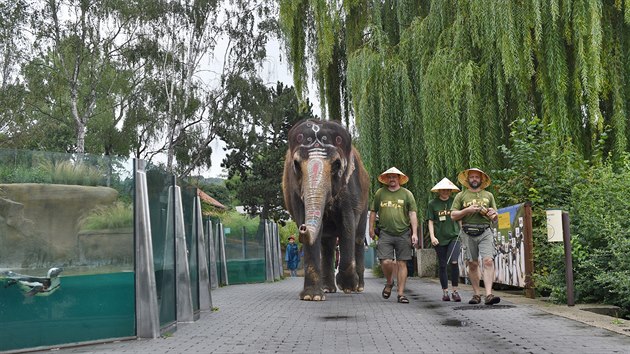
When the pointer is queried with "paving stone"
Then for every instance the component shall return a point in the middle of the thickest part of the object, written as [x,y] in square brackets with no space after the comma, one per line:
[270,318]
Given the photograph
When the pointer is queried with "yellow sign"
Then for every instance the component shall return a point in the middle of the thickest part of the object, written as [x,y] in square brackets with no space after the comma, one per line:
[504,221]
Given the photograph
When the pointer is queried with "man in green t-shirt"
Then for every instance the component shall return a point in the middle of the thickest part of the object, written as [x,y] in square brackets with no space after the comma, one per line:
[477,210]
[396,208]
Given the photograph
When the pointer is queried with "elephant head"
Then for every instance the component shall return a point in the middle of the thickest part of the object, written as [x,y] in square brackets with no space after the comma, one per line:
[325,190]
[318,164]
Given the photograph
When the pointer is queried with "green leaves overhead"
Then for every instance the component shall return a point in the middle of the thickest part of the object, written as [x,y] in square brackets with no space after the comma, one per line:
[435,85]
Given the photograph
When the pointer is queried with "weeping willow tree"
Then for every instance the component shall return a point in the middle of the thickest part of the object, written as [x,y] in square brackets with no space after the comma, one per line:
[435,85]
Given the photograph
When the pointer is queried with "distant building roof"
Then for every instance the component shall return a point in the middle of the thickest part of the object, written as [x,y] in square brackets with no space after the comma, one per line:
[208,199]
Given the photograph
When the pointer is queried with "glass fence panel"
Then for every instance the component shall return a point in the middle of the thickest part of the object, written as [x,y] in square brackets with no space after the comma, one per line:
[66,249]
[189,193]
[161,206]
[245,252]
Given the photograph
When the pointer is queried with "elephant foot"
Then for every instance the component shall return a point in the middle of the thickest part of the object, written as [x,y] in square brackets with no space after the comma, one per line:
[347,283]
[329,285]
[312,295]
[330,289]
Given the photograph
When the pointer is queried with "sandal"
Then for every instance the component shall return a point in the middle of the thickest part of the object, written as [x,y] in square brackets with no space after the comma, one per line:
[387,291]
[491,299]
[403,299]
[476,299]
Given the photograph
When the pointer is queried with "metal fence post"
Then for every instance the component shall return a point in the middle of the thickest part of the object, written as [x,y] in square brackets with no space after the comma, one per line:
[205,297]
[222,255]
[268,260]
[147,312]
[184,295]
[278,258]
[212,258]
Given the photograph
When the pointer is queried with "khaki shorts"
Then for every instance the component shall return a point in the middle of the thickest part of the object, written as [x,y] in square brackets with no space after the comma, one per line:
[482,245]
[387,244]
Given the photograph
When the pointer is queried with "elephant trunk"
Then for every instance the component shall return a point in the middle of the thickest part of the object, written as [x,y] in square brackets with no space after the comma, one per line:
[304,234]
[316,189]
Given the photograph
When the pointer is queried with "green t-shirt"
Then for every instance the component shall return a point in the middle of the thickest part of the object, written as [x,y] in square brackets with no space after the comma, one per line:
[466,198]
[444,228]
[393,209]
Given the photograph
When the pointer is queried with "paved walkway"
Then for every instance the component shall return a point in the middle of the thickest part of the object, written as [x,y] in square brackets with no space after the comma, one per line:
[269,318]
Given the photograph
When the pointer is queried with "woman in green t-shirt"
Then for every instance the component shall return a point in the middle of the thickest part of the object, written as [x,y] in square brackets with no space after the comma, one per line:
[444,236]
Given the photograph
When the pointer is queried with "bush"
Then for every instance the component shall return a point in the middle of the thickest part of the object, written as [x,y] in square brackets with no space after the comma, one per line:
[116,216]
[236,222]
[377,270]
[541,173]
[596,198]
[67,172]
[600,225]
[290,228]
[21,174]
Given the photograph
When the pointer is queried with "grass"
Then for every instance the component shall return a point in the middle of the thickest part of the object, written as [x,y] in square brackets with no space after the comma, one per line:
[74,173]
[617,322]
[115,216]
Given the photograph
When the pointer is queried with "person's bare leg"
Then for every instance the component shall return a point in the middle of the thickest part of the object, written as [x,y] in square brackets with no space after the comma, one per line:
[488,274]
[402,276]
[388,269]
[473,273]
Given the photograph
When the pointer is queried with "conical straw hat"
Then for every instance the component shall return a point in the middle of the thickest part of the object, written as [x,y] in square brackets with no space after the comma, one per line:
[403,177]
[445,183]
[463,178]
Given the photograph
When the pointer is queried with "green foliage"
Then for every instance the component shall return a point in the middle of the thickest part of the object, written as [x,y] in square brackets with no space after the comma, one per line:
[258,144]
[218,192]
[116,216]
[289,228]
[596,199]
[69,172]
[52,171]
[21,174]
[238,222]
[600,223]
[540,173]
[377,270]
[471,69]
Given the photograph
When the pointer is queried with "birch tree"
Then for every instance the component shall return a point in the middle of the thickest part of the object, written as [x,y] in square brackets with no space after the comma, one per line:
[14,18]
[187,37]
[78,44]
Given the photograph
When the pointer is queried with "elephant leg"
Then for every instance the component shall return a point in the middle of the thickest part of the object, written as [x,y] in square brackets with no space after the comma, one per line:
[347,278]
[312,274]
[328,265]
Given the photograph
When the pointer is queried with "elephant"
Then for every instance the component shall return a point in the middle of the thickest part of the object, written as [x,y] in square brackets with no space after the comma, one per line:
[325,187]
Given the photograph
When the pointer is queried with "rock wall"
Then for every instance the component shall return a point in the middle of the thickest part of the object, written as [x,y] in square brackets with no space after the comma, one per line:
[39,223]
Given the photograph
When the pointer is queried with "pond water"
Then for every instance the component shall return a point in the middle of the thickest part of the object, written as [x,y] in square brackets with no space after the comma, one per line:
[83,308]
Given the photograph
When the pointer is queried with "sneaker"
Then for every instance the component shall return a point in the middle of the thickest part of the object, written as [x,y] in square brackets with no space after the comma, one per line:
[491,299]
[476,299]
[455,297]
[445,297]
